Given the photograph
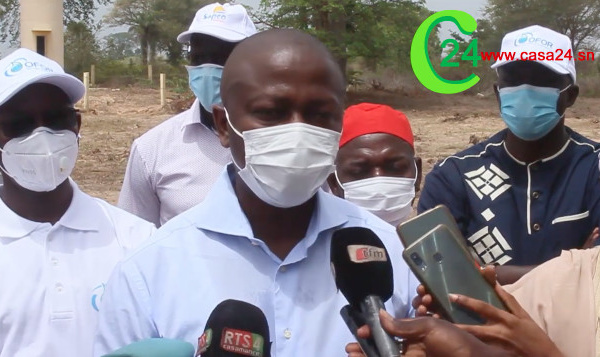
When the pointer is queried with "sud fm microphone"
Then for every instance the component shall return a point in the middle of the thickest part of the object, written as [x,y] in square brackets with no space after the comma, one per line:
[363,273]
[235,328]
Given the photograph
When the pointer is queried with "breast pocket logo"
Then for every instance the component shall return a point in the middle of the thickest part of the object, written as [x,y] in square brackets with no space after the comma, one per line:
[97,295]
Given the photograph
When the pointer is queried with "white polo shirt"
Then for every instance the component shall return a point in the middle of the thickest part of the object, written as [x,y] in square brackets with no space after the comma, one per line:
[172,167]
[52,277]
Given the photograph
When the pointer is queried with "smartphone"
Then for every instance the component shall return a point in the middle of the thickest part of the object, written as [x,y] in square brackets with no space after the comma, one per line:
[444,267]
[416,227]
[413,229]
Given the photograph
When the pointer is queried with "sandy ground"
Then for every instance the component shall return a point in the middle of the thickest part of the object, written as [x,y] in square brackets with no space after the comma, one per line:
[442,124]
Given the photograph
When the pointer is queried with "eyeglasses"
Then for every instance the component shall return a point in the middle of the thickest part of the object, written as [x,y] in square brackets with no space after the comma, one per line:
[15,125]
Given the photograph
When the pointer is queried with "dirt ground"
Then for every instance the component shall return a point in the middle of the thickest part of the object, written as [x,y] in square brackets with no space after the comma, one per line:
[442,125]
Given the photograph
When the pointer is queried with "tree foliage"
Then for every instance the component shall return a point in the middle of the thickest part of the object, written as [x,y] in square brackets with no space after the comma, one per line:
[118,46]
[578,19]
[379,31]
[81,48]
[74,11]
[156,24]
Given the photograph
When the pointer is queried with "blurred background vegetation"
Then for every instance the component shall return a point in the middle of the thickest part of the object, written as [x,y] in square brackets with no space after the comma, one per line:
[371,39]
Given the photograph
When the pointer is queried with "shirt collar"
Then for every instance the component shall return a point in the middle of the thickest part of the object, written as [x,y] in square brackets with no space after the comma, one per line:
[221,212]
[194,116]
[545,159]
[82,214]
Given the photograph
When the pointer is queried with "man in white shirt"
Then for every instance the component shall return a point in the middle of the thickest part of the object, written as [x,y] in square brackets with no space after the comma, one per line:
[172,167]
[57,244]
[263,233]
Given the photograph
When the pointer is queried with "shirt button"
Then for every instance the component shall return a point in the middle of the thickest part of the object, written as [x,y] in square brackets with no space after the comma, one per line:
[59,287]
[254,243]
[283,269]
[287,333]
[536,227]
[535,195]
[54,261]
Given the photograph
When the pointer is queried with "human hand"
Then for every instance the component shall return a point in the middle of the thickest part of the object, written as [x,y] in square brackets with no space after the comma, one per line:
[514,331]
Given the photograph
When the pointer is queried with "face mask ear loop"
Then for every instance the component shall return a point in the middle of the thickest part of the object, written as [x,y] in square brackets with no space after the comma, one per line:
[3,169]
[237,133]
[567,87]
[337,179]
[560,92]
[416,170]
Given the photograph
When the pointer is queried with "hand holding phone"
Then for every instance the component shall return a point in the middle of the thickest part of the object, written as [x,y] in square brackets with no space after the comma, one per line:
[444,267]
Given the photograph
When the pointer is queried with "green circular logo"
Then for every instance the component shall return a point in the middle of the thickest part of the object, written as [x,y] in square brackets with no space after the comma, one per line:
[419,55]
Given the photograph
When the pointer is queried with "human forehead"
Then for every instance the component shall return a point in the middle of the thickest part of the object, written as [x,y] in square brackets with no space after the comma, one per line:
[42,94]
[282,74]
[530,73]
[376,145]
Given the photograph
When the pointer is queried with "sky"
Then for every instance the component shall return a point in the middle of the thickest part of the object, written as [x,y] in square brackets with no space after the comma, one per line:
[473,7]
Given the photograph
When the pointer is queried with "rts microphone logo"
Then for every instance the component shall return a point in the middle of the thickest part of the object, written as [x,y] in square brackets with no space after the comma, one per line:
[242,342]
[366,254]
[204,342]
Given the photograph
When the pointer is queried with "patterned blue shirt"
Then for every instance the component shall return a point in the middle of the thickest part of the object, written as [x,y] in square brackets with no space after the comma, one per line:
[516,213]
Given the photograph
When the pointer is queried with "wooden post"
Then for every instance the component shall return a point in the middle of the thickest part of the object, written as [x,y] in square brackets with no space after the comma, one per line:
[150,73]
[93,75]
[86,83]
[162,90]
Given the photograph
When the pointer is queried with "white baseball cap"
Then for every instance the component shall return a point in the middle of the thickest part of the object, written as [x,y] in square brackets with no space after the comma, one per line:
[539,39]
[227,22]
[24,67]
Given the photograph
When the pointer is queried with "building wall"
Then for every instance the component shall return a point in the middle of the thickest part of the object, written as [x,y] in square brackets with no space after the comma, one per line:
[43,18]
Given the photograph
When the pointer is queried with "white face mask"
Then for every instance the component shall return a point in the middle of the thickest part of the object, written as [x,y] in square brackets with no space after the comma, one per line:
[286,164]
[41,160]
[389,198]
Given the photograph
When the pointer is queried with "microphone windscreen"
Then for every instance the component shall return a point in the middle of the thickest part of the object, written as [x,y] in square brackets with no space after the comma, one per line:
[235,328]
[361,265]
[155,347]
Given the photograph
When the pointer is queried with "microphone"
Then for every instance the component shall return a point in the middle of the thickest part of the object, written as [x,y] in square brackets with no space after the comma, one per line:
[363,273]
[155,347]
[235,328]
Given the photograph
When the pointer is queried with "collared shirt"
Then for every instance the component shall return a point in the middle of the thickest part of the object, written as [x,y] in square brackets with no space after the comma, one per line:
[172,167]
[517,213]
[53,276]
[209,254]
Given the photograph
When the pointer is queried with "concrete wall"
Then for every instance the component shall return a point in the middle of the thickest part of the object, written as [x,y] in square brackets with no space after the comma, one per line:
[43,18]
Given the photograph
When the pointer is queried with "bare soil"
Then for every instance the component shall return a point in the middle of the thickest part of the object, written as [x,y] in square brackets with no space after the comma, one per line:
[442,125]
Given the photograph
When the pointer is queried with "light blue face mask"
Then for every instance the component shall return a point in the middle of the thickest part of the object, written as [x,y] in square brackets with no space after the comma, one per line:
[530,111]
[205,82]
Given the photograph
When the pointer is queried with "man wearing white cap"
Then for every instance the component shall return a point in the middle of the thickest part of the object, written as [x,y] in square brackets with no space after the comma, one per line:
[172,166]
[533,189]
[57,244]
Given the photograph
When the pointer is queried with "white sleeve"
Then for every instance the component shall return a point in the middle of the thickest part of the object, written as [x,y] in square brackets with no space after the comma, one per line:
[124,316]
[138,195]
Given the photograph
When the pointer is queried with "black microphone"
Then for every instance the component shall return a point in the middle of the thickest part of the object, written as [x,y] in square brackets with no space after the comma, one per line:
[363,273]
[235,328]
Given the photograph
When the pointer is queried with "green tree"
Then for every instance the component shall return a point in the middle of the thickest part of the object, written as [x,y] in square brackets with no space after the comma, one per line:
[81,47]
[143,20]
[118,46]
[578,19]
[75,11]
[380,31]
[174,18]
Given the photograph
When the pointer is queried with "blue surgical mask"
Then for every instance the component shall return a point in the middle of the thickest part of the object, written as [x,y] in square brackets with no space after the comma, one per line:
[205,82]
[530,111]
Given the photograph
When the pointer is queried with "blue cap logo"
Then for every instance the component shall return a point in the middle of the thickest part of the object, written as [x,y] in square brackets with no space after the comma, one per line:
[528,38]
[20,64]
[15,67]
